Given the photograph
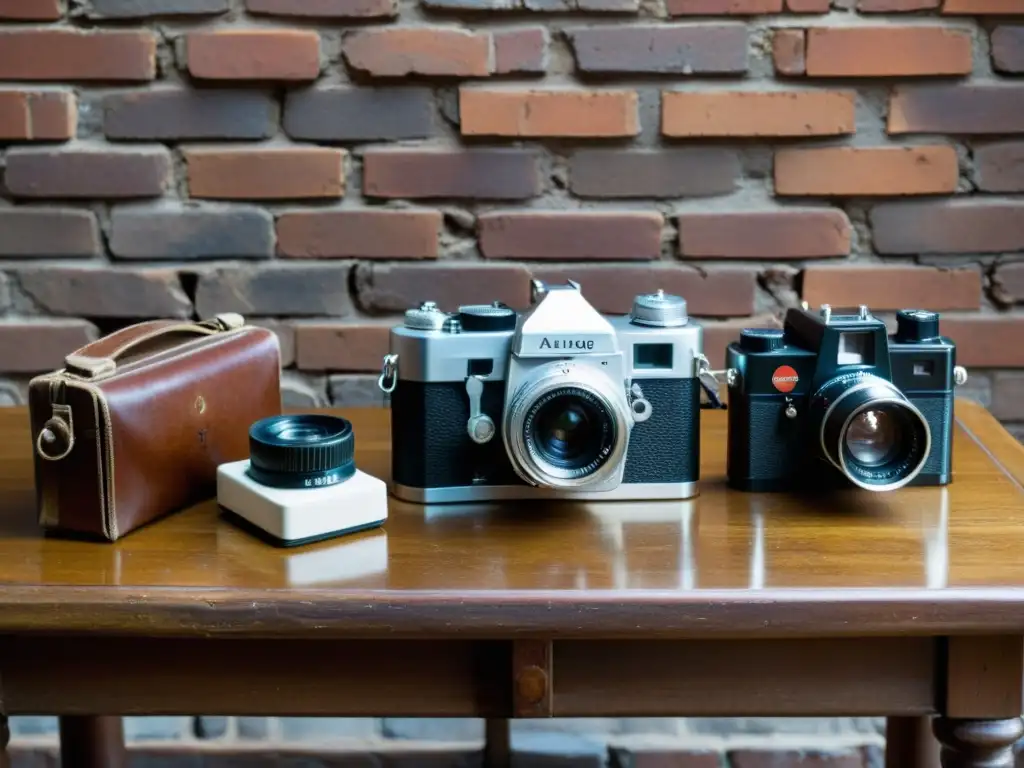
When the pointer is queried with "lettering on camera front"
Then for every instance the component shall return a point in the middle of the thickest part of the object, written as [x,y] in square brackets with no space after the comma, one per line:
[582,344]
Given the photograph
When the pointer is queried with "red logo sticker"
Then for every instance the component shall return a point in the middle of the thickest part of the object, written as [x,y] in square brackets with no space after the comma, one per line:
[785,378]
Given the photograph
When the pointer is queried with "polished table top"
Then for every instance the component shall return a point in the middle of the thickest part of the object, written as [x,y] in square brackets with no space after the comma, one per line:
[919,560]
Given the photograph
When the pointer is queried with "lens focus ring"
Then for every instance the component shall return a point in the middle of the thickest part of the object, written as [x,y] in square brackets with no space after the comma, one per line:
[303,451]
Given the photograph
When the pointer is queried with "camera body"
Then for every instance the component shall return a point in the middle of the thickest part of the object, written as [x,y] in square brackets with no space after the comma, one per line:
[832,401]
[556,402]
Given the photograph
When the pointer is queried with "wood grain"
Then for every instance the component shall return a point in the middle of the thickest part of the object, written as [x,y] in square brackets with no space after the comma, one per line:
[984,677]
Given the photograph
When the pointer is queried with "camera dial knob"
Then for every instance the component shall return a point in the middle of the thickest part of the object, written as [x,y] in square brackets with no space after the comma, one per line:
[659,310]
[916,325]
[425,317]
[487,317]
[761,339]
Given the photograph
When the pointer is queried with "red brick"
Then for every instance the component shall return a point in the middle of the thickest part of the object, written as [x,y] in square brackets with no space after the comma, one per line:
[957,109]
[31,10]
[687,49]
[891,287]
[1000,167]
[1008,283]
[633,173]
[890,51]
[397,287]
[789,49]
[585,236]
[102,172]
[719,334]
[341,346]
[484,174]
[326,9]
[73,55]
[266,174]
[276,290]
[554,112]
[986,341]
[254,54]
[783,233]
[1008,396]
[808,6]
[749,113]
[866,171]
[1008,49]
[106,292]
[722,7]
[983,7]
[755,758]
[948,226]
[48,232]
[374,233]
[709,291]
[402,51]
[39,346]
[523,51]
[896,6]
[38,115]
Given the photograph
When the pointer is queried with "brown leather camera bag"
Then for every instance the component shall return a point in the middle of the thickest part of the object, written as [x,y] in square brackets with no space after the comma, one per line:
[135,424]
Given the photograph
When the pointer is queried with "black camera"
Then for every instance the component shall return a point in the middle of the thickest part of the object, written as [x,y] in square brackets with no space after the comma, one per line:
[831,400]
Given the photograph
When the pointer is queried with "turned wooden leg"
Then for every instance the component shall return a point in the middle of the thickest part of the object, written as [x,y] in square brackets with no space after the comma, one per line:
[909,743]
[497,750]
[91,742]
[977,743]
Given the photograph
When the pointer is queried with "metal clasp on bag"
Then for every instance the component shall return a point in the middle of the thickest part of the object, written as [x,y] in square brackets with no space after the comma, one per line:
[388,379]
[59,430]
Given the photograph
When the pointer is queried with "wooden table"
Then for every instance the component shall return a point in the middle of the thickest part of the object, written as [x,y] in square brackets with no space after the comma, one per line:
[908,605]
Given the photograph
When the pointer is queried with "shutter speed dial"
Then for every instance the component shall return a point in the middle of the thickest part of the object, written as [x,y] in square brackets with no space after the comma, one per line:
[487,317]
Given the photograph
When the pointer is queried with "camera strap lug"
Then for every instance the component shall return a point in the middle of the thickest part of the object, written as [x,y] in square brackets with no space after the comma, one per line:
[639,406]
[708,380]
[480,426]
[388,379]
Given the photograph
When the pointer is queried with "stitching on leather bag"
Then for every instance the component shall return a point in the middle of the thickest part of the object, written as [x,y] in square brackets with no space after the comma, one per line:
[108,519]
[49,510]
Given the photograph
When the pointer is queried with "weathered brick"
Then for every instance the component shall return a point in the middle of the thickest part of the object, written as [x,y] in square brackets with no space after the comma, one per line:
[1008,396]
[1000,167]
[584,236]
[341,346]
[397,287]
[488,174]
[866,171]
[653,173]
[986,341]
[266,174]
[892,287]
[175,231]
[890,51]
[48,232]
[179,113]
[688,49]
[101,172]
[709,291]
[276,290]
[782,233]
[722,7]
[402,51]
[38,115]
[141,9]
[31,10]
[38,346]
[550,6]
[1008,48]
[948,226]
[983,7]
[653,757]
[808,6]
[254,54]
[896,6]
[789,49]
[749,113]
[719,334]
[360,114]
[554,112]
[325,9]
[1008,282]
[966,109]
[522,51]
[373,233]
[74,55]
[772,758]
[105,292]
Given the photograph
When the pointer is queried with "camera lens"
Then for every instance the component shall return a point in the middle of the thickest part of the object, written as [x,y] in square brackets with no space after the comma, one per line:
[871,432]
[567,431]
[301,451]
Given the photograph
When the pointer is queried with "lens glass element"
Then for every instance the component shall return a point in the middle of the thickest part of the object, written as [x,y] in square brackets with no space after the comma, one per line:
[570,430]
[873,437]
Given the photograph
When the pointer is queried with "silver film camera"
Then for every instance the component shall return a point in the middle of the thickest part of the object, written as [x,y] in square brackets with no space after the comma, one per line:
[556,402]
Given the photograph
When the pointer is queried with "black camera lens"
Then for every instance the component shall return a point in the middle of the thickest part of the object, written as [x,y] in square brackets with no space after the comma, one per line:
[570,430]
[301,451]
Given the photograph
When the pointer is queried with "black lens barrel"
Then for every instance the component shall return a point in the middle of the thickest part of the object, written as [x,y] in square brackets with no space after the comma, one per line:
[301,451]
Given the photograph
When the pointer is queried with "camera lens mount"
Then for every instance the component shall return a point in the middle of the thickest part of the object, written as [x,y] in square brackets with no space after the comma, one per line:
[301,451]
[871,432]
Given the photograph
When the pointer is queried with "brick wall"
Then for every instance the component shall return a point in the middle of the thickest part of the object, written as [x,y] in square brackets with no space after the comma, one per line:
[318,165]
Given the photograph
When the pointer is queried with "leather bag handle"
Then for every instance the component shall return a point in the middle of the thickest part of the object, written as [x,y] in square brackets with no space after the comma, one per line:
[100,357]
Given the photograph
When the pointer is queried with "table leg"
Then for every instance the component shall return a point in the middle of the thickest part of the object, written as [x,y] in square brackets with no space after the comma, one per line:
[91,742]
[977,743]
[5,737]
[909,743]
[497,743]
